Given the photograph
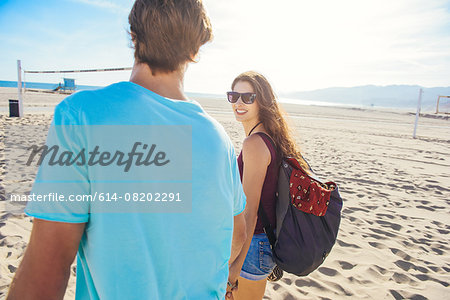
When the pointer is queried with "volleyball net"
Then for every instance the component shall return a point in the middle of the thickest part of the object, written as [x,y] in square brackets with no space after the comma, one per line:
[68,81]
[62,81]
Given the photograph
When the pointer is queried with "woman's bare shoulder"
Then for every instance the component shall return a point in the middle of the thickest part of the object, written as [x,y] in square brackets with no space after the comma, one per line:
[254,148]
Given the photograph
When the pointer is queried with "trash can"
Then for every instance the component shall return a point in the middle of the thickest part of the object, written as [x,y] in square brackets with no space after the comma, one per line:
[14,108]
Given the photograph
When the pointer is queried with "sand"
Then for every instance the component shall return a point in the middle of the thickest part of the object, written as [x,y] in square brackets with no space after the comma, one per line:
[394,236]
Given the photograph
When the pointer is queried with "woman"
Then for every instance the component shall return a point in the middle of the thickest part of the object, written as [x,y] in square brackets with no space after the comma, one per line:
[254,105]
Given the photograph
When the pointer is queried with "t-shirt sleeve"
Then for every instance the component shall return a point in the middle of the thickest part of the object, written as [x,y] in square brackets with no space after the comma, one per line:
[239,196]
[61,189]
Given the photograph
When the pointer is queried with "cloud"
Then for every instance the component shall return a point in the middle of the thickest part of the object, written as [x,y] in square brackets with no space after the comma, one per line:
[112,6]
[299,45]
[313,44]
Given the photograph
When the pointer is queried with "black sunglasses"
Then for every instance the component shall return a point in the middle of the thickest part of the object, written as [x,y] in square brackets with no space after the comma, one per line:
[247,98]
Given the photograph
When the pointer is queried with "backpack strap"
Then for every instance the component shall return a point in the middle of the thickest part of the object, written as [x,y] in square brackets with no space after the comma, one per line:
[274,147]
[266,226]
[268,229]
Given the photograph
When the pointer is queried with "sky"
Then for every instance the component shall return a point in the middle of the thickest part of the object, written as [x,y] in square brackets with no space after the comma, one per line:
[298,45]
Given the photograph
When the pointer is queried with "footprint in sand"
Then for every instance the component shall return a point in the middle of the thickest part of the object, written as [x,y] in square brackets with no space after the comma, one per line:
[441,231]
[425,207]
[308,283]
[408,187]
[396,295]
[435,207]
[404,265]
[386,215]
[328,272]
[382,232]
[394,226]
[424,277]
[352,219]
[381,270]
[276,286]
[434,269]
[383,194]
[377,245]
[437,187]
[400,254]
[401,279]
[431,181]
[346,265]
[437,223]
[437,251]
[12,269]
[350,210]
[424,202]
[345,245]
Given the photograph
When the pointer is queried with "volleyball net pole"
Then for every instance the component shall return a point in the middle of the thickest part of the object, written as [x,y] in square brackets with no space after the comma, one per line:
[19,87]
[419,101]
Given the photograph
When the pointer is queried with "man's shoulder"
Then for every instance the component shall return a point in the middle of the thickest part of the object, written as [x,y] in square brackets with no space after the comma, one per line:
[218,127]
[91,100]
[84,95]
[80,96]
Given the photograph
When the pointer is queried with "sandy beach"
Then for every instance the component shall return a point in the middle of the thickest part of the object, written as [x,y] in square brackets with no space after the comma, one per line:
[394,237]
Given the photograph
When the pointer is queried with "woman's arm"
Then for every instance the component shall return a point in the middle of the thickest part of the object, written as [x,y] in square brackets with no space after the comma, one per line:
[256,157]
[239,236]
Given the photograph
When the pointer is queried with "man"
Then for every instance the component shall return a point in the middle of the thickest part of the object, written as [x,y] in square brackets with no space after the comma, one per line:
[126,254]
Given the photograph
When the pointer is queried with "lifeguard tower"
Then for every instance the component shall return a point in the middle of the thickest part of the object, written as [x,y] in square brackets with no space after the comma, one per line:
[69,84]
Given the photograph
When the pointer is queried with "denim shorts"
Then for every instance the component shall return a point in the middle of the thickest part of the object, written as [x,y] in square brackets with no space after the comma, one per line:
[258,263]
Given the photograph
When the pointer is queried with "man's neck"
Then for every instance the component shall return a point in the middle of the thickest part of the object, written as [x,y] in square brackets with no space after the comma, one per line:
[168,85]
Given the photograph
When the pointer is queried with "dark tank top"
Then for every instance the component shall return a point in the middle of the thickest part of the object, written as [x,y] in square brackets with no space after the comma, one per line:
[270,184]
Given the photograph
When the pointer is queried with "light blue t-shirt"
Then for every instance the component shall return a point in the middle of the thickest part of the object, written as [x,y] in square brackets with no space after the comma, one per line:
[147,254]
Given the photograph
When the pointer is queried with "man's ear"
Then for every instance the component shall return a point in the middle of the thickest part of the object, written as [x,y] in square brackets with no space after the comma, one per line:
[195,57]
[133,37]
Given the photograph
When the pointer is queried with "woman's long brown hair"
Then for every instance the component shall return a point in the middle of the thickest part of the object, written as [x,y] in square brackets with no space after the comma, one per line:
[271,116]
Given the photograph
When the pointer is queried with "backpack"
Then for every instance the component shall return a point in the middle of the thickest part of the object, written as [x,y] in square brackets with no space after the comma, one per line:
[308,214]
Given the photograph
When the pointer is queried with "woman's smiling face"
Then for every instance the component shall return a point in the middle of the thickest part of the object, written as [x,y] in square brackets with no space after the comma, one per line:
[245,112]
